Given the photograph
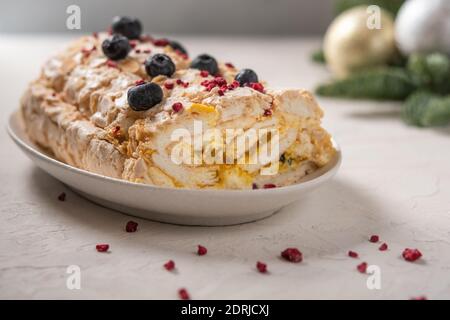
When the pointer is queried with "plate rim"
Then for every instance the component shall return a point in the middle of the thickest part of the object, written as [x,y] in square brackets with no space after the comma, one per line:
[23,144]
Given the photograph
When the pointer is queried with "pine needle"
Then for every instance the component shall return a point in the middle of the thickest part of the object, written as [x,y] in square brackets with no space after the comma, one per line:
[427,109]
[378,84]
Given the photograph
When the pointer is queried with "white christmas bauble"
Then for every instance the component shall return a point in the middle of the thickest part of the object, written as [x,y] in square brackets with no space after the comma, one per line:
[423,26]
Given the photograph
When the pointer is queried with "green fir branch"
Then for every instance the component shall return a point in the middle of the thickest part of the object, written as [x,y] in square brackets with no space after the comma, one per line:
[379,84]
[426,109]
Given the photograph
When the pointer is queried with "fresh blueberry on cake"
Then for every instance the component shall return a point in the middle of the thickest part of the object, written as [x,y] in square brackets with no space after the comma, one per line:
[128,27]
[246,76]
[116,48]
[177,47]
[159,64]
[205,62]
[144,96]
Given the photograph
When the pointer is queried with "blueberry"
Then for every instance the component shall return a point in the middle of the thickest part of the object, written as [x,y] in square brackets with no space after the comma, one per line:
[145,96]
[205,62]
[116,48]
[175,45]
[246,76]
[159,64]
[128,27]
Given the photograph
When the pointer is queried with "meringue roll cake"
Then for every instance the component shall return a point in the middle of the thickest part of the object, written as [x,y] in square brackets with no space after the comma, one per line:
[128,106]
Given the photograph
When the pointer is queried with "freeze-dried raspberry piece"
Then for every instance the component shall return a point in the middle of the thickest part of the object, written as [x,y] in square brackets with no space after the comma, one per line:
[168,85]
[261,266]
[177,106]
[267,112]
[161,42]
[353,254]
[169,265]
[201,251]
[102,247]
[292,255]
[183,294]
[419,298]
[131,226]
[362,267]
[257,86]
[111,64]
[411,254]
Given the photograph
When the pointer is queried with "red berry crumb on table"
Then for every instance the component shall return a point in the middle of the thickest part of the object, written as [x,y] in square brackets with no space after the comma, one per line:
[183,294]
[201,251]
[353,254]
[419,298]
[261,266]
[102,247]
[62,196]
[383,247]
[362,267]
[292,255]
[411,255]
[169,265]
[131,226]
[374,239]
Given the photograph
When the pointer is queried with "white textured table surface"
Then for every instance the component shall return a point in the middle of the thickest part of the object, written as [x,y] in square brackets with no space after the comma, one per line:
[395,182]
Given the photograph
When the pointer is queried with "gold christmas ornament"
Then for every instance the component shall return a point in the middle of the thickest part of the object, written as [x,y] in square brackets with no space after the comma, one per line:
[359,38]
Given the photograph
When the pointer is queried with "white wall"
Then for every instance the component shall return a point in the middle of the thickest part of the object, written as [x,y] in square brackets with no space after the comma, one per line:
[173,16]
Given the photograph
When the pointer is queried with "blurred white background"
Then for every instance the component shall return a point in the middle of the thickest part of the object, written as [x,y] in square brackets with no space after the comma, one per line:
[231,17]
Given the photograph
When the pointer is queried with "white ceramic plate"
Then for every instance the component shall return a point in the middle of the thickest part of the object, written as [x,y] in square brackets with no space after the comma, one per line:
[178,206]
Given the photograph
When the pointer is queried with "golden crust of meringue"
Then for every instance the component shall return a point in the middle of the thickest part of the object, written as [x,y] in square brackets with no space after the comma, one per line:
[78,109]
